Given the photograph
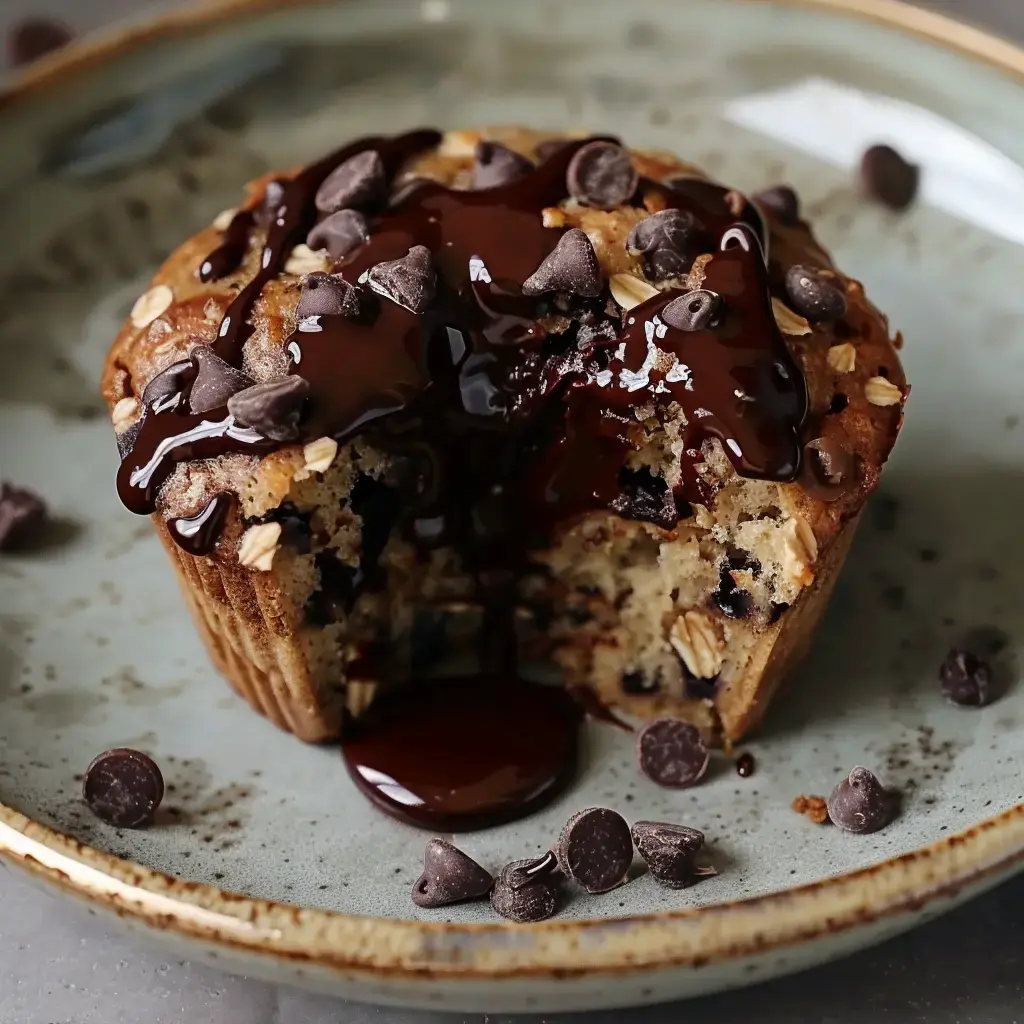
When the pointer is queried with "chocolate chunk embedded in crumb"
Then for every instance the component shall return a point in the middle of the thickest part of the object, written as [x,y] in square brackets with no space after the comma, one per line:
[449,876]
[672,753]
[860,803]
[966,679]
[124,787]
[813,807]
[273,409]
[602,174]
[571,266]
[595,849]
[216,381]
[527,890]
[359,181]
[23,516]
[668,850]
[889,179]
[340,233]
[818,294]
[497,165]
[410,281]
[327,295]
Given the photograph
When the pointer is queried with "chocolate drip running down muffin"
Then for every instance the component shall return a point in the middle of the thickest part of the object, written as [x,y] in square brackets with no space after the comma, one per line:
[545,397]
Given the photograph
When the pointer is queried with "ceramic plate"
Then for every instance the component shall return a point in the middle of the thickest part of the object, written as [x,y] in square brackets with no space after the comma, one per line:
[264,857]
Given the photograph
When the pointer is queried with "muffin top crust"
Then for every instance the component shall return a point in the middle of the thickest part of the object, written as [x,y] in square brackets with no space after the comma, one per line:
[538,327]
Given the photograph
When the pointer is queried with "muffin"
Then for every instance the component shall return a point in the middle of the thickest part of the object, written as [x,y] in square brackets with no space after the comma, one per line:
[539,398]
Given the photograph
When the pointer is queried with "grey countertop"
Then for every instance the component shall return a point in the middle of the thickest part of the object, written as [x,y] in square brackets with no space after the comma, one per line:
[57,964]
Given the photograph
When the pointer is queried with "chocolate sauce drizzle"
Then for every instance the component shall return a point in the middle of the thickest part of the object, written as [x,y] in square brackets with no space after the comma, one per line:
[509,424]
[198,534]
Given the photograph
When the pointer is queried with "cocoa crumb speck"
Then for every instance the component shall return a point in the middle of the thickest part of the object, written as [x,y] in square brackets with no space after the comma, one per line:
[812,807]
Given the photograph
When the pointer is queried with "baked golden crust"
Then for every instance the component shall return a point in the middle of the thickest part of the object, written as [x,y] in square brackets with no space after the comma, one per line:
[254,621]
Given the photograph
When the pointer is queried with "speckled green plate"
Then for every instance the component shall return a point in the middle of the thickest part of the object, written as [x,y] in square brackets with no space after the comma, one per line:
[264,858]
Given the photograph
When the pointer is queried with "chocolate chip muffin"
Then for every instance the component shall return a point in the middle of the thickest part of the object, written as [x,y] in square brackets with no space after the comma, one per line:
[542,399]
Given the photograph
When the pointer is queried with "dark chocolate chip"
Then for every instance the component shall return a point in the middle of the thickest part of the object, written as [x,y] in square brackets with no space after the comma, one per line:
[887,178]
[639,684]
[216,381]
[357,182]
[522,894]
[782,202]
[327,295]
[167,383]
[830,469]
[966,679]
[497,165]
[273,196]
[410,281]
[340,233]
[571,266]
[449,876]
[817,294]
[668,851]
[664,240]
[22,517]
[601,174]
[672,753]
[694,311]
[860,804]
[272,409]
[595,849]
[34,38]
[124,787]
[646,498]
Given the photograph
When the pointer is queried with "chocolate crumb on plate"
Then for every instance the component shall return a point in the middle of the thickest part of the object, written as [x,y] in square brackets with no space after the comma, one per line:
[595,849]
[668,851]
[23,515]
[672,753]
[814,808]
[966,679]
[123,787]
[887,178]
[528,890]
[860,803]
[449,876]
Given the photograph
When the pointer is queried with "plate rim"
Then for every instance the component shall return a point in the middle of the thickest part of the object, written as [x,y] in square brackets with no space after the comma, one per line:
[375,947]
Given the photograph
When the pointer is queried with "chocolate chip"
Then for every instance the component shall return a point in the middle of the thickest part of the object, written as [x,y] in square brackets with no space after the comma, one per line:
[668,851]
[817,294]
[527,890]
[34,38]
[595,849]
[782,202]
[340,233]
[358,181]
[22,517]
[694,311]
[410,281]
[664,239]
[601,174]
[216,381]
[449,876]
[571,266]
[859,803]
[646,498]
[638,684]
[966,679]
[672,753]
[549,147]
[497,165]
[167,383]
[273,196]
[272,409]
[124,787]
[327,295]
[830,469]
[887,178]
